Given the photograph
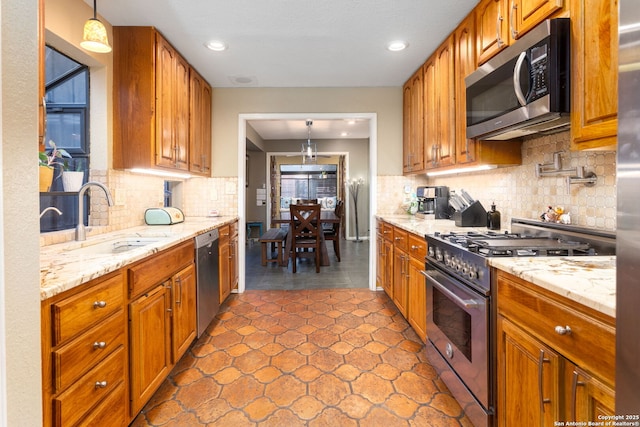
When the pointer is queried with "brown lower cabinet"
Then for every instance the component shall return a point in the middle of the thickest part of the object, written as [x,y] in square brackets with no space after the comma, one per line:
[547,374]
[108,345]
[228,247]
[401,257]
[84,354]
[162,319]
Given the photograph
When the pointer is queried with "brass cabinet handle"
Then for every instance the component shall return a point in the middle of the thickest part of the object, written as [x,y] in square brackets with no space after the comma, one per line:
[99,304]
[498,21]
[541,361]
[101,384]
[574,393]
[514,32]
[99,345]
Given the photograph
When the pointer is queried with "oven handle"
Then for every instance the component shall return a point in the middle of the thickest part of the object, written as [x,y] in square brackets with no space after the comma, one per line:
[469,303]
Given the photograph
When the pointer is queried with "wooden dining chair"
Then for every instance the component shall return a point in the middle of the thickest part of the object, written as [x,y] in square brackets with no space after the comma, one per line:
[333,233]
[305,232]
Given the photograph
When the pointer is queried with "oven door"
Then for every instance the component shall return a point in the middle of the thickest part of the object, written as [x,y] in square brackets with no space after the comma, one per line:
[457,326]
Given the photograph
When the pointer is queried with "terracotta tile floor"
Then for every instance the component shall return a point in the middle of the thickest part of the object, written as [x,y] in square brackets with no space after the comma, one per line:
[334,357]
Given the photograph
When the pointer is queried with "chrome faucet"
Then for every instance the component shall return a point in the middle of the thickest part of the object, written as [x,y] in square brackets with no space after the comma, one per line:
[81,233]
[50,208]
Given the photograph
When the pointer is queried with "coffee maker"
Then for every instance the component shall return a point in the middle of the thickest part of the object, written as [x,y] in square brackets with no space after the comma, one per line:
[434,202]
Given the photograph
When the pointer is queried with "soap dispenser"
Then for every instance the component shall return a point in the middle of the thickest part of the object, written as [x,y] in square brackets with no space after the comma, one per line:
[493,218]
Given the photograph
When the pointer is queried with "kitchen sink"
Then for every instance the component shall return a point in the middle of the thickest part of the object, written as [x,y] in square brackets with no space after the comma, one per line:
[112,246]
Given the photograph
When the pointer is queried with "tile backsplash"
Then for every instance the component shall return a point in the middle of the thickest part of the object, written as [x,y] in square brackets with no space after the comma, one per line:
[518,193]
[515,190]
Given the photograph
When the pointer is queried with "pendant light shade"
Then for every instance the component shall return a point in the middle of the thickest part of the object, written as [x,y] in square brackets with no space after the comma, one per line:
[309,151]
[95,37]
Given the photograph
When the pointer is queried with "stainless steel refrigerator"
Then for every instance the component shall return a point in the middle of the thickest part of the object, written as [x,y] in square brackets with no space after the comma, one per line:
[628,236]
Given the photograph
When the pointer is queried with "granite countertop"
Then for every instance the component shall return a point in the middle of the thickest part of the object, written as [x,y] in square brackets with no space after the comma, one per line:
[588,280]
[66,265]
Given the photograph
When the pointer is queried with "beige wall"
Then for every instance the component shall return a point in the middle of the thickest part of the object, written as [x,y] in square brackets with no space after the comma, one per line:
[20,383]
[229,103]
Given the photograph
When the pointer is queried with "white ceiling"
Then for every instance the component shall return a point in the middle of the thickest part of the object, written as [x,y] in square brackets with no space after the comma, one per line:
[297,43]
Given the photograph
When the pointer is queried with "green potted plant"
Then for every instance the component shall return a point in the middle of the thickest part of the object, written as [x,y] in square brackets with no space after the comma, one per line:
[47,162]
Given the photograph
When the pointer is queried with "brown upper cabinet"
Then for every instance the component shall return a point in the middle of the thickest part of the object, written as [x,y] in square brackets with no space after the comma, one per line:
[156,124]
[440,108]
[526,14]
[500,22]
[492,29]
[413,142]
[594,74]
[200,125]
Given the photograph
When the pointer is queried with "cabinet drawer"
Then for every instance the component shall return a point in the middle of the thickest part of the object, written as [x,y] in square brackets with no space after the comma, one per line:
[112,411]
[81,311]
[159,267]
[75,358]
[400,239]
[417,247]
[387,231]
[591,342]
[225,234]
[72,405]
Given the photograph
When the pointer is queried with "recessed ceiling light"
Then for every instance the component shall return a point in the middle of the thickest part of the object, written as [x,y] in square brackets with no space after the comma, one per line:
[216,45]
[397,46]
[344,134]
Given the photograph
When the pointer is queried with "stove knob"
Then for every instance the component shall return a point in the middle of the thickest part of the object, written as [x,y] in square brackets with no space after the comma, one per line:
[431,252]
[464,268]
[449,350]
[439,254]
[447,259]
[473,272]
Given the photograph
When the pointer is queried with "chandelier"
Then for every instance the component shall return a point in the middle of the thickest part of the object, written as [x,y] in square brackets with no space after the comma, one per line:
[309,151]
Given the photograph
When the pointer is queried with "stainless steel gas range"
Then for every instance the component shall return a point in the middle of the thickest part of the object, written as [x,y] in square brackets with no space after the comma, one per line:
[461,310]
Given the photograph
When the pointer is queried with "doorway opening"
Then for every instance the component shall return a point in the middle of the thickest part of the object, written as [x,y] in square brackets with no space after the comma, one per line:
[367,175]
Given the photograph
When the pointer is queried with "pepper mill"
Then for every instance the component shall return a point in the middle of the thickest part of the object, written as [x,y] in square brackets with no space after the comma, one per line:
[493,218]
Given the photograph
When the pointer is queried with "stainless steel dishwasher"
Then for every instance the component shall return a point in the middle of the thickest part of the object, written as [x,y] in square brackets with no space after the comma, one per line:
[208,279]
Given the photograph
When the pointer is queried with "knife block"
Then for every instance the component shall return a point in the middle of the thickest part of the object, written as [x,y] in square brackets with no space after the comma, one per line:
[473,216]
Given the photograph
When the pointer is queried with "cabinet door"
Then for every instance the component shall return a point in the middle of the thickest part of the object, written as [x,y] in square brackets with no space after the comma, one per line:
[492,32]
[445,104]
[590,399]
[400,275]
[183,295]
[413,109]
[150,348]
[233,263]
[388,268]
[165,120]
[528,379]
[417,116]
[526,14]
[430,122]
[181,114]
[417,298]
[200,126]
[594,63]
[225,272]
[465,50]
[406,127]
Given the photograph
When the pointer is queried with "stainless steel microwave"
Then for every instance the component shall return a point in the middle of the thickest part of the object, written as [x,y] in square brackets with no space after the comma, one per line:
[524,89]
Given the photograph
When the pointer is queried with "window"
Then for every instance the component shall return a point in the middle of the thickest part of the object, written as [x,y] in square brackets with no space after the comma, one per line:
[67,101]
[308,181]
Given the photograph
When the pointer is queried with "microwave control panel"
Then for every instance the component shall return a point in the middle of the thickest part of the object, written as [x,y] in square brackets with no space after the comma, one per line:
[538,60]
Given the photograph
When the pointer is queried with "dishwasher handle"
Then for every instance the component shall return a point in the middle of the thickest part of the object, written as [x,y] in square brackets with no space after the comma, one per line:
[206,239]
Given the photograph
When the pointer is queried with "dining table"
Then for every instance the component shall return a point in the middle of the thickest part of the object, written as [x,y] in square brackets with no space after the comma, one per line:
[326,217]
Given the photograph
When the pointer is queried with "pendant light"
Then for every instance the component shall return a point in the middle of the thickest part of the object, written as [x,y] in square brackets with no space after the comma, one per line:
[309,151]
[95,37]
